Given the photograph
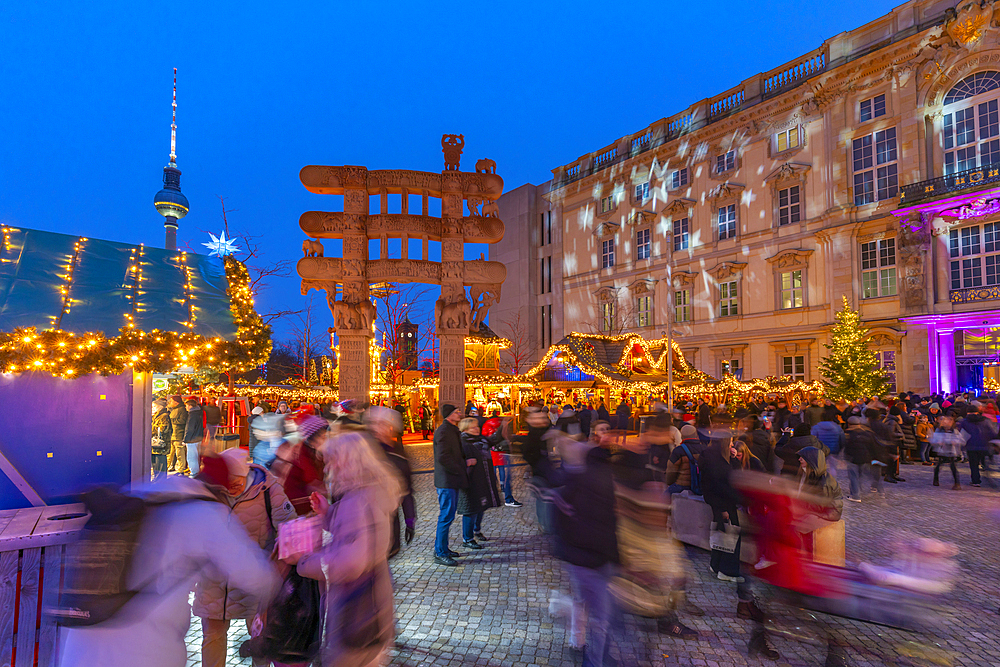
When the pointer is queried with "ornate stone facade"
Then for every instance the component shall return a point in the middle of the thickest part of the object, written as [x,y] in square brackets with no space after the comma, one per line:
[354,313]
[827,176]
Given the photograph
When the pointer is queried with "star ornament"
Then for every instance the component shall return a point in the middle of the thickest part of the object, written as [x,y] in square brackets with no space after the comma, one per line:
[220,245]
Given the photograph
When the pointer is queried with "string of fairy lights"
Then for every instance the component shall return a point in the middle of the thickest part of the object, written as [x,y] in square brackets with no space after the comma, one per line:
[71,265]
[68,354]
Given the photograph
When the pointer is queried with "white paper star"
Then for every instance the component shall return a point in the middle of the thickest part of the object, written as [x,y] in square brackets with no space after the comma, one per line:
[220,245]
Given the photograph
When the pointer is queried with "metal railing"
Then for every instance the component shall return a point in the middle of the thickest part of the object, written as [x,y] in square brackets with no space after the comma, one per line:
[957,182]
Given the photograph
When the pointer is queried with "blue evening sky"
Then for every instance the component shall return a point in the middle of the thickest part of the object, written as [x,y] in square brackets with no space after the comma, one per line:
[266,88]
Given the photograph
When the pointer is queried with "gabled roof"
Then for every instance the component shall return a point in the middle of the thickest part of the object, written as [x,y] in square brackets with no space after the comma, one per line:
[84,285]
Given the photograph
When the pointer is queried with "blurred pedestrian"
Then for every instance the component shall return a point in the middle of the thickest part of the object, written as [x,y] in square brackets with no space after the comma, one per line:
[255,500]
[194,433]
[177,458]
[386,426]
[161,436]
[299,466]
[360,620]
[947,442]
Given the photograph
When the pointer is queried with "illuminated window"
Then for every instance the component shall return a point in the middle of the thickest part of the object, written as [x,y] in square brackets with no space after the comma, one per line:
[878,268]
[791,289]
[969,147]
[874,159]
[725,162]
[887,362]
[642,192]
[607,316]
[730,367]
[789,208]
[786,139]
[642,244]
[728,299]
[971,252]
[645,311]
[607,253]
[872,108]
[794,367]
[607,203]
[682,306]
[679,178]
[727,222]
[681,236]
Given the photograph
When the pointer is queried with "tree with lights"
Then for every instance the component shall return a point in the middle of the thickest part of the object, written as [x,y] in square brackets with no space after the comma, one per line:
[851,370]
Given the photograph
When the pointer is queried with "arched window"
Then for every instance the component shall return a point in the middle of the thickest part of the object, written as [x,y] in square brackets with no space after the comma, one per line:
[967,146]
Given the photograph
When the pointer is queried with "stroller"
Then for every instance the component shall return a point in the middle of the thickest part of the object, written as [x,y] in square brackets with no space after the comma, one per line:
[904,594]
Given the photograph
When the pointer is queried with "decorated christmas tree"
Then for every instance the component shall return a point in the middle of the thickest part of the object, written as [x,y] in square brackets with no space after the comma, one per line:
[851,370]
[313,375]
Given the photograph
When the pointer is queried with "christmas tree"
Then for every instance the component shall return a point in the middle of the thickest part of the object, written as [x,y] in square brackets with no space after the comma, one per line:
[313,375]
[851,370]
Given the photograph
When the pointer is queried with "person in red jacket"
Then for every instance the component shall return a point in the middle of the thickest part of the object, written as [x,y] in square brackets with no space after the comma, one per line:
[493,431]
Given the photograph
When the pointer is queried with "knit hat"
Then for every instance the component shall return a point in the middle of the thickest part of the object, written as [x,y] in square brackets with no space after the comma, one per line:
[379,415]
[447,409]
[310,425]
[934,406]
[160,403]
[214,471]
[236,462]
[854,420]
[257,411]
[688,431]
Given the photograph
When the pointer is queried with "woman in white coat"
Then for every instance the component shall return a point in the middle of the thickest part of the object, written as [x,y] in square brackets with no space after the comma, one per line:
[178,540]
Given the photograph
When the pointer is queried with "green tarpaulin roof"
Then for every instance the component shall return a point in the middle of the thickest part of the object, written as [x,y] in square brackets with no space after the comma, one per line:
[102,289]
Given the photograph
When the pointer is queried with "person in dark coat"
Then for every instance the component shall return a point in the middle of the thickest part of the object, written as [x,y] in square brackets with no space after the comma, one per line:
[531,444]
[194,433]
[177,459]
[978,432]
[585,415]
[482,493]
[603,414]
[386,426]
[213,417]
[716,468]
[162,430]
[449,476]
[760,444]
[587,541]
[860,450]
[789,452]
[623,413]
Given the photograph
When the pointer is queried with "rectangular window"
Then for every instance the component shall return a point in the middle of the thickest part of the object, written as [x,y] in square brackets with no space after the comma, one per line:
[548,275]
[791,289]
[607,203]
[960,137]
[541,279]
[887,362]
[878,268]
[679,178]
[642,192]
[642,244]
[548,227]
[794,367]
[727,222]
[541,229]
[787,139]
[725,162]
[874,159]
[645,311]
[541,321]
[607,253]
[789,208]
[682,306]
[607,316]
[681,235]
[728,299]
[872,108]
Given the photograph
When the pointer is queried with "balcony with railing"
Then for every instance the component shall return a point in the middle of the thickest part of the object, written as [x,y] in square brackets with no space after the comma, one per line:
[748,93]
[950,184]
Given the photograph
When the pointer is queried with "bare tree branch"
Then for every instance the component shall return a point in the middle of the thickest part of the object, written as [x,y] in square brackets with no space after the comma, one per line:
[394,304]
[515,330]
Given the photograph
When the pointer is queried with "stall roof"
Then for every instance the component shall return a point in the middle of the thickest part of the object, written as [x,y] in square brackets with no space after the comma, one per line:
[76,284]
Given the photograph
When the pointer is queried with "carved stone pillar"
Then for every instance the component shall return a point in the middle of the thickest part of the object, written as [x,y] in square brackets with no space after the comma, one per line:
[454,312]
[914,245]
[352,326]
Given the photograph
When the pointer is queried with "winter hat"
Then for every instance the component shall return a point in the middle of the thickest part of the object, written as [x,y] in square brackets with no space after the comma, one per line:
[236,462]
[380,415]
[178,398]
[934,406]
[257,411]
[447,409]
[688,431]
[214,471]
[160,403]
[311,425]
[854,420]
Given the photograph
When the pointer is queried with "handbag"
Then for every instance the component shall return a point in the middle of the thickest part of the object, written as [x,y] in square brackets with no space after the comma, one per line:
[291,629]
[724,538]
[360,622]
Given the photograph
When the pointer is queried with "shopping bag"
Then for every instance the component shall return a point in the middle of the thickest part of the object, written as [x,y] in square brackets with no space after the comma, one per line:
[291,628]
[723,538]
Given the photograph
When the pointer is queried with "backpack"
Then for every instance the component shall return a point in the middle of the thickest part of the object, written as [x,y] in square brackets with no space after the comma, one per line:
[695,471]
[99,565]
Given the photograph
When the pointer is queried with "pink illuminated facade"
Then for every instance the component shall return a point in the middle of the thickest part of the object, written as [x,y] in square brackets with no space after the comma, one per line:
[868,168]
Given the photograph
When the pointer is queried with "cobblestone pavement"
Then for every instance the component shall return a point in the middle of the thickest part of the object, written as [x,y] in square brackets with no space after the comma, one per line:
[493,608]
